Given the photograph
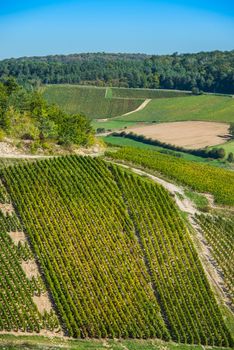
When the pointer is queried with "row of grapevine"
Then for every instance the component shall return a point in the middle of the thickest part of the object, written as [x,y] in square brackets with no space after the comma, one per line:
[18,312]
[189,307]
[200,177]
[219,234]
[78,224]
[17,309]
[114,251]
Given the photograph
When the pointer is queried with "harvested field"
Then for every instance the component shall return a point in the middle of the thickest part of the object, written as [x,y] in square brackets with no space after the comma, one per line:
[189,134]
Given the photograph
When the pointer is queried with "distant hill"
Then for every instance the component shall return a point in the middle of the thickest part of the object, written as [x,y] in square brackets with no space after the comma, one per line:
[99,102]
[206,71]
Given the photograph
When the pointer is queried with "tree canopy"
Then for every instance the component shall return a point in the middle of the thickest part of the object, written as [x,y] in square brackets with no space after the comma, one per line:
[25,114]
[204,71]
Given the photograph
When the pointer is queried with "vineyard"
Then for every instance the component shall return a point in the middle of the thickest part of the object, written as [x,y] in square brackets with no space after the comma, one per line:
[200,177]
[100,102]
[146,93]
[118,261]
[90,101]
[18,312]
[219,234]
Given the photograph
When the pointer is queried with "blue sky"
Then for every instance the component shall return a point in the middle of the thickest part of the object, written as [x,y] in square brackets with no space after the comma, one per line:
[32,28]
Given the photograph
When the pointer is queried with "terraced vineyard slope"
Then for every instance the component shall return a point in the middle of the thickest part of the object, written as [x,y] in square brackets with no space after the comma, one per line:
[200,177]
[116,254]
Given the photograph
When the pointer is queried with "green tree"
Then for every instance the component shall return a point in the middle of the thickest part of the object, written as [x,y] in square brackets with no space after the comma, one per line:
[75,129]
[10,85]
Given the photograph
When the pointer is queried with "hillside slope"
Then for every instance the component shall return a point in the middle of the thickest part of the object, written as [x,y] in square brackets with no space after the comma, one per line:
[204,107]
[89,101]
[199,177]
[118,261]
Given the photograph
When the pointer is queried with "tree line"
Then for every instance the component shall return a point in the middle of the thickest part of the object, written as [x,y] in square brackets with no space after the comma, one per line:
[26,115]
[203,71]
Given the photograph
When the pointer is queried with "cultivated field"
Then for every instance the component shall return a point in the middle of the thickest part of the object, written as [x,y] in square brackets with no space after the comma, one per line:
[187,134]
[97,103]
[90,101]
[219,233]
[204,107]
[118,262]
[199,177]
[146,93]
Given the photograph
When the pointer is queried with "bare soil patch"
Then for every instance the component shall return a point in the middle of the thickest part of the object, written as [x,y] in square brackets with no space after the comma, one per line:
[43,303]
[6,208]
[17,237]
[30,268]
[189,134]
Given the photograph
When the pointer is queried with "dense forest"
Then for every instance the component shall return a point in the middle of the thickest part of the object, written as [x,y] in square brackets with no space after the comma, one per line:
[204,71]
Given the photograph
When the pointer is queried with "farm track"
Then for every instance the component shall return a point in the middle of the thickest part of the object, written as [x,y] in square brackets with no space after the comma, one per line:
[140,108]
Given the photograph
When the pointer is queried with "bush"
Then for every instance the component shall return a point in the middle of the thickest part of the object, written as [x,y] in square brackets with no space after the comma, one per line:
[230,157]
[100,130]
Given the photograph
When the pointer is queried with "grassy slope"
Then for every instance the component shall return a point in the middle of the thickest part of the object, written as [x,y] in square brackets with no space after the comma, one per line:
[90,101]
[228,146]
[10,342]
[111,124]
[205,107]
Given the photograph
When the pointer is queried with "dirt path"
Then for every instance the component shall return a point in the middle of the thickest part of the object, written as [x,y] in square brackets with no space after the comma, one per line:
[213,274]
[183,203]
[142,106]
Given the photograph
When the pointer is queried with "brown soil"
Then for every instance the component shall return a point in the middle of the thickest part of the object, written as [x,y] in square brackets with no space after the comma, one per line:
[189,134]
[6,208]
[30,268]
[17,237]
[42,302]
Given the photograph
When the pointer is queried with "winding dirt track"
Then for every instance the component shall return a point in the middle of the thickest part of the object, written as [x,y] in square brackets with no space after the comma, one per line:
[142,106]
